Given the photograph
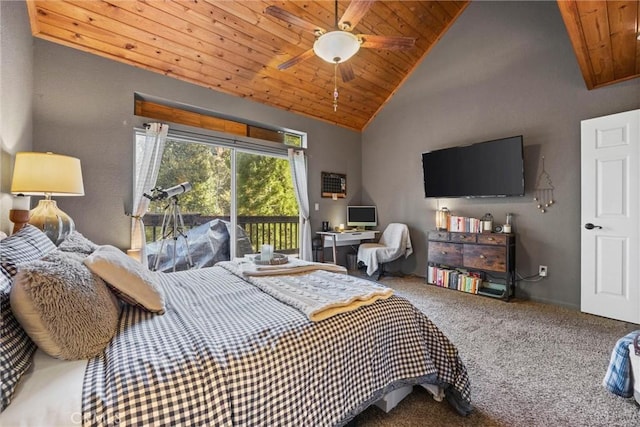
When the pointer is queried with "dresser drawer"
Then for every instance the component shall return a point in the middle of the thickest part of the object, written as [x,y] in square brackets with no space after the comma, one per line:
[492,239]
[445,253]
[485,257]
[441,236]
[463,237]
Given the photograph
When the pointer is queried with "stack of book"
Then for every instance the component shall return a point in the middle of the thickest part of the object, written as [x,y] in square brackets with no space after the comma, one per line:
[453,279]
[464,224]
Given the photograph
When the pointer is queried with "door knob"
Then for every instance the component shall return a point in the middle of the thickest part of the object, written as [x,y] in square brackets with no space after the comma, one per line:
[590,226]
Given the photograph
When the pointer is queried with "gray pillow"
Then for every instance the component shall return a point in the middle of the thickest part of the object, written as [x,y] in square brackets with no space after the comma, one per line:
[76,242]
[67,310]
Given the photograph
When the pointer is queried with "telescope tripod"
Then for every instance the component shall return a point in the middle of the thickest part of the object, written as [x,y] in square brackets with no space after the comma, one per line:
[172,227]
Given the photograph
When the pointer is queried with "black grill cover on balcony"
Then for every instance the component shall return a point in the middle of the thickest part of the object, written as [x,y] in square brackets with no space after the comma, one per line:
[208,244]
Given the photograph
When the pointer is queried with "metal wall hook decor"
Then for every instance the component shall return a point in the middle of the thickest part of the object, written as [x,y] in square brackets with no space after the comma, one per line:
[543,193]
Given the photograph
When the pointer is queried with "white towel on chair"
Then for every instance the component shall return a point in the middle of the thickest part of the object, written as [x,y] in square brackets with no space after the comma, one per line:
[395,242]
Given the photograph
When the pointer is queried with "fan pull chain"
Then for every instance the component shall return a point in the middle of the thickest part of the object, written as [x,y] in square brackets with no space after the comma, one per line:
[335,87]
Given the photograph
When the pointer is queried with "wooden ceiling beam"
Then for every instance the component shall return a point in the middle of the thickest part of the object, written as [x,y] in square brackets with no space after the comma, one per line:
[595,26]
[571,17]
[621,16]
[603,35]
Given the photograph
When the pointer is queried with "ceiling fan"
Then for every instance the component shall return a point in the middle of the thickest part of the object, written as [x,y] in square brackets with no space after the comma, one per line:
[340,44]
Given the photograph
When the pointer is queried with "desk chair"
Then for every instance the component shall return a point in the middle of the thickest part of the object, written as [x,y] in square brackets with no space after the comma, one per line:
[394,242]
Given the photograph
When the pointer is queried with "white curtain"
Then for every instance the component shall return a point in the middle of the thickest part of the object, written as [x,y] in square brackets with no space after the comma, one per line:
[146,175]
[298,164]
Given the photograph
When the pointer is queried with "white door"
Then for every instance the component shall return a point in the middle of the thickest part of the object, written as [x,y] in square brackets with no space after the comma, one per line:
[611,217]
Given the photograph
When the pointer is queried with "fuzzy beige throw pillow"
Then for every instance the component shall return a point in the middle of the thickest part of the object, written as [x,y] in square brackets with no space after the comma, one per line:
[76,242]
[67,310]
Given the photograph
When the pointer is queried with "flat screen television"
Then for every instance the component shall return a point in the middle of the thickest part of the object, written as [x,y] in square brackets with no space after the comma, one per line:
[485,169]
[362,216]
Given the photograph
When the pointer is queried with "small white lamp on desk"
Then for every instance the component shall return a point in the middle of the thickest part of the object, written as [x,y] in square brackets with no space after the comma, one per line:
[48,174]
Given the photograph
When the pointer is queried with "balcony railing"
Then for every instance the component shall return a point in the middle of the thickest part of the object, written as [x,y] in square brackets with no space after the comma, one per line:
[280,231]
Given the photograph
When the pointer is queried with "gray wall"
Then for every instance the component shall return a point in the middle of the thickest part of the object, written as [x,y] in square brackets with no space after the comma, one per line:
[16,87]
[503,69]
[83,106]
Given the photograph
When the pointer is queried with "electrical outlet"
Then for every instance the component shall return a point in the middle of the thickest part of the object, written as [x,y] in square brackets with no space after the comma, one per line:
[542,271]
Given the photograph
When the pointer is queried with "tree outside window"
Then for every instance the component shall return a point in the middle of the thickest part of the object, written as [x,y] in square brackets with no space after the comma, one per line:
[266,206]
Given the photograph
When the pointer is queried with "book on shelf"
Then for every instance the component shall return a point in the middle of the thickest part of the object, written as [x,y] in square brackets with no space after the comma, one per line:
[462,224]
[461,280]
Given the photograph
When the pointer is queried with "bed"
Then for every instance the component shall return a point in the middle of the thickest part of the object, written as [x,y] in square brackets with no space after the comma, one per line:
[226,350]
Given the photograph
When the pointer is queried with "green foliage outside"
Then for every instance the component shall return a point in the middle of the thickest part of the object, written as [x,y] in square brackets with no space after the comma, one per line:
[263,185]
[207,168]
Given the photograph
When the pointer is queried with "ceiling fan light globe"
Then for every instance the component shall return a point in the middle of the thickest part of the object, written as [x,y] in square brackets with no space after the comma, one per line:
[336,46]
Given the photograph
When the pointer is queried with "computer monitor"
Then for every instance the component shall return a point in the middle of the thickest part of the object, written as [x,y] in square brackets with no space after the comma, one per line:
[362,216]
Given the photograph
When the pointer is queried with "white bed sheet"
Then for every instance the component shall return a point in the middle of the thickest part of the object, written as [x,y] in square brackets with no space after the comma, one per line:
[49,395]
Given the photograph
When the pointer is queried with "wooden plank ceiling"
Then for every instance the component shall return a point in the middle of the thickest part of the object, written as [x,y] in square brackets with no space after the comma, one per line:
[604,35]
[235,47]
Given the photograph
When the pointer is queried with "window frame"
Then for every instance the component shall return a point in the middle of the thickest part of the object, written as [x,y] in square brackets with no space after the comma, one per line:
[235,143]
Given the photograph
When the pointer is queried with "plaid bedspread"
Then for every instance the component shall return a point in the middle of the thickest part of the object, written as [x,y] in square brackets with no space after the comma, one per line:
[225,353]
[618,376]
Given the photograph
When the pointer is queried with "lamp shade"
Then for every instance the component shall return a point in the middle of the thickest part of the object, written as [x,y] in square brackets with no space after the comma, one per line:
[336,46]
[36,174]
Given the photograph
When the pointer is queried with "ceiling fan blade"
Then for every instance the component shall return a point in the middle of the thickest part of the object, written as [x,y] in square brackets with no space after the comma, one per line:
[386,42]
[346,72]
[354,13]
[296,59]
[283,15]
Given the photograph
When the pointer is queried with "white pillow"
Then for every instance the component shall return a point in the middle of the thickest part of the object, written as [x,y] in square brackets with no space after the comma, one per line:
[127,278]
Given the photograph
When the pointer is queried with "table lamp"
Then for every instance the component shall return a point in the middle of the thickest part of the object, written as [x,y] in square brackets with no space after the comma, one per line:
[48,174]
[19,213]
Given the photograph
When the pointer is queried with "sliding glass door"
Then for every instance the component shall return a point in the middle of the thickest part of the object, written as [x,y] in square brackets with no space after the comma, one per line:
[266,205]
[237,200]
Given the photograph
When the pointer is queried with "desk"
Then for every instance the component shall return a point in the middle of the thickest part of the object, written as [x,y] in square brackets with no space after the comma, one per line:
[345,238]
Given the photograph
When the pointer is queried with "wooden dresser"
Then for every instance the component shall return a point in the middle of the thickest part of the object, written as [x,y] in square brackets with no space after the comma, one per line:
[492,253]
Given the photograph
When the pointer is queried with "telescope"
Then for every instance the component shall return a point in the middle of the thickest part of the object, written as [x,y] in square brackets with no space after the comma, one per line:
[176,190]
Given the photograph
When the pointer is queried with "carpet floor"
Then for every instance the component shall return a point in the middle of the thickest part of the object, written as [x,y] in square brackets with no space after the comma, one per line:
[530,364]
